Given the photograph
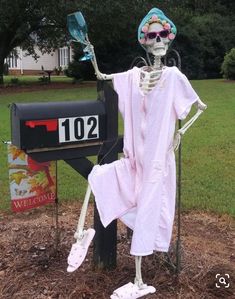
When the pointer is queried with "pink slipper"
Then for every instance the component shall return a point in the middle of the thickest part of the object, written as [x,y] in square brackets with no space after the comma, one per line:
[132,291]
[79,250]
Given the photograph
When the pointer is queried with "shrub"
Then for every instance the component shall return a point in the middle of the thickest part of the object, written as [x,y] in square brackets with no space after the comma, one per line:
[58,70]
[5,69]
[80,70]
[44,80]
[15,81]
[228,66]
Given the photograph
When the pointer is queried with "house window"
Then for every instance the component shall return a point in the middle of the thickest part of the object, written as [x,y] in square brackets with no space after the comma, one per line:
[64,56]
[11,60]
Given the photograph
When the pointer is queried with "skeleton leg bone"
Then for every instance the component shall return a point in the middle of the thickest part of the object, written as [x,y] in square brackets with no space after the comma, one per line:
[84,237]
[136,290]
[138,275]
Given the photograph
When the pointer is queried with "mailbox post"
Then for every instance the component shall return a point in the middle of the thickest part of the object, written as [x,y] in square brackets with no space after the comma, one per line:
[71,131]
[105,242]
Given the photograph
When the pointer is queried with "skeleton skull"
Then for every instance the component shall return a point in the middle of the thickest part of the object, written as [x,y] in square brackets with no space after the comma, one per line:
[156,32]
[157,45]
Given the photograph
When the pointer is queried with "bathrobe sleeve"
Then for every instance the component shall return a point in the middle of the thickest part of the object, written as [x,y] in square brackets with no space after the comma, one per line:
[184,97]
[121,84]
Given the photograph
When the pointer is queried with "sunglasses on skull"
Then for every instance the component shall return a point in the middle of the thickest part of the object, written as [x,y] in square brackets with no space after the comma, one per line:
[152,35]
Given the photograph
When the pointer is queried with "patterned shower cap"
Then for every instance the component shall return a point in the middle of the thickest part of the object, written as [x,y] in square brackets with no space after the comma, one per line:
[155,15]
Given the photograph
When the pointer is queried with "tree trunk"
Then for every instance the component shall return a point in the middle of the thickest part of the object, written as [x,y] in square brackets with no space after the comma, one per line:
[4,52]
[1,70]
[2,58]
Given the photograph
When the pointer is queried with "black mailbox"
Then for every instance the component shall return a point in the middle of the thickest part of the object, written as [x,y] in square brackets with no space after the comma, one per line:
[58,125]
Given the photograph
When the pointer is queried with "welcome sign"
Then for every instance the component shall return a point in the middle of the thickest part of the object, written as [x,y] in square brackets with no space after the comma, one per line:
[32,184]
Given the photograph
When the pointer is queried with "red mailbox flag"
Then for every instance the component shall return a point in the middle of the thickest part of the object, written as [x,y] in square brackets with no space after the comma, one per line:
[32,184]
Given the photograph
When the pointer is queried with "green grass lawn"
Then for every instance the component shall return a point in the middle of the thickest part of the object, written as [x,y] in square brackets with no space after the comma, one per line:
[209,151]
[208,148]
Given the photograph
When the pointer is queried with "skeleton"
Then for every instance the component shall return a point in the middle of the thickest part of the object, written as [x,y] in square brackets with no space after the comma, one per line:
[156,42]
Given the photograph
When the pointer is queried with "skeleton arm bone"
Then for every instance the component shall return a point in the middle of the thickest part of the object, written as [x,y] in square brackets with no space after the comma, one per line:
[201,108]
[98,74]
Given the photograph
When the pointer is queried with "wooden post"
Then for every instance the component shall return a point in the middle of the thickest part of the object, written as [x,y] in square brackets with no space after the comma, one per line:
[105,241]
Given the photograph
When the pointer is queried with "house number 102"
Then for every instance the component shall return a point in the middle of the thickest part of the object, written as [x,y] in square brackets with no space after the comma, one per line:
[78,128]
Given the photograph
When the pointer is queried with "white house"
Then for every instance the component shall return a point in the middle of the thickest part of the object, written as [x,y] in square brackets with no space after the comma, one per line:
[22,64]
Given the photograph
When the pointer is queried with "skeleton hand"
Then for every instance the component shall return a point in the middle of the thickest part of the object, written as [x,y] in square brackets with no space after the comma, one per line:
[90,48]
[201,105]
[176,141]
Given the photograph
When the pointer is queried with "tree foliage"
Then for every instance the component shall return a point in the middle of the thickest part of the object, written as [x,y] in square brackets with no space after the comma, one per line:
[206,30]
[26,23]
[228,66]
[204,33]
[202,43]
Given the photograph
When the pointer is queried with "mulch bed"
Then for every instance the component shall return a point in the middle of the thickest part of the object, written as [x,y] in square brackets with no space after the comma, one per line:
[31,267]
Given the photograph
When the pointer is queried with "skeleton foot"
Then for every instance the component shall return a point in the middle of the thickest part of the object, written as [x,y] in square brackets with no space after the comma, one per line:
[132,291]
[140,284]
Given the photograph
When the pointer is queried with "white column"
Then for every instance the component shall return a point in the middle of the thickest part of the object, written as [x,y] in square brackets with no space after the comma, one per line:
[21,62]
[70,54]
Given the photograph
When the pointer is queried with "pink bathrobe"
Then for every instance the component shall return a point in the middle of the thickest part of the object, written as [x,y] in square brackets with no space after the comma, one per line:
[140,188]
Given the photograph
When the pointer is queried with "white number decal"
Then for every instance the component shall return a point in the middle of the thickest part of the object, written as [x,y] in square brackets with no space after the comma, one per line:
[78,128]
